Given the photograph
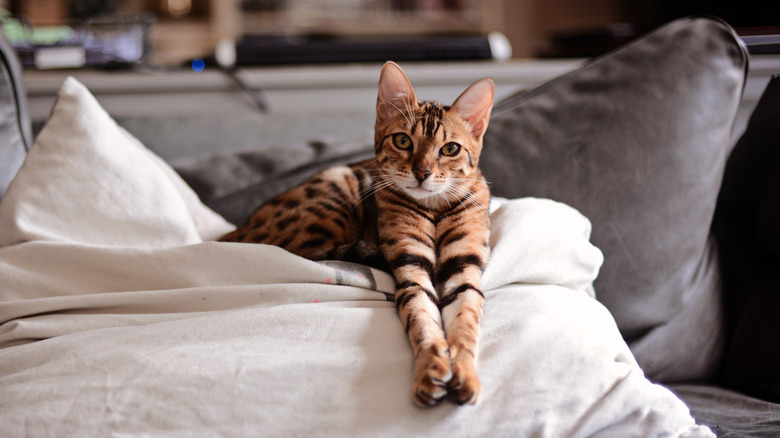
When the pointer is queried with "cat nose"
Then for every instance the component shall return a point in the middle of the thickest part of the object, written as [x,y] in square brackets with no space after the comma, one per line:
[421,174]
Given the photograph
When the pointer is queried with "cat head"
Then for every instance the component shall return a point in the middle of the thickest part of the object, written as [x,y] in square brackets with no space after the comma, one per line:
[429,151]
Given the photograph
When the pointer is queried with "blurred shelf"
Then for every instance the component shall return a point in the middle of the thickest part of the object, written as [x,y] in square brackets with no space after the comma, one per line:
[367,23]
[176,41]
[179,40]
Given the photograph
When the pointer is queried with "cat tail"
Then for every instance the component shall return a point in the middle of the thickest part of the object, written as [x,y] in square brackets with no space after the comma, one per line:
[360,252]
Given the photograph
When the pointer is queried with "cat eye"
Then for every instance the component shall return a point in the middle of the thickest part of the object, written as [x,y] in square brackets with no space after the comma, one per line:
[450,149]
[402,141]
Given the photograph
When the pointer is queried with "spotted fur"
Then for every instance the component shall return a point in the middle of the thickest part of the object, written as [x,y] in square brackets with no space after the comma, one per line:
[418,209]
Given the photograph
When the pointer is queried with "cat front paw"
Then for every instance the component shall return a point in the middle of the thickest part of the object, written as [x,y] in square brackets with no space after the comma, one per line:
[433,372]
[464,387]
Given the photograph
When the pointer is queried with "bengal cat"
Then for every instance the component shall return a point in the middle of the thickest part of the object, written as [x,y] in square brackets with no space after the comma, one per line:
[421,206]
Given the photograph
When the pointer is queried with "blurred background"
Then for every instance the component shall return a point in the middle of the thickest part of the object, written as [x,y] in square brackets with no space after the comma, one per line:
[49,33]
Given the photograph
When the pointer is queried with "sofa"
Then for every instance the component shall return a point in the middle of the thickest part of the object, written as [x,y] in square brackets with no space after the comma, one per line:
[629,293]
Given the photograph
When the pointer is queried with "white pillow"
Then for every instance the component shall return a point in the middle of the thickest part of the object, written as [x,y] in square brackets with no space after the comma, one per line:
[540,241]
[87,180]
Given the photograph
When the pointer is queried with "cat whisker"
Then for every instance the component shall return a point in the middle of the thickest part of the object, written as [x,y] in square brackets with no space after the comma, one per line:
[378,185]
[463,179]
[446,198]
[410,112]
[378,179]
[467,199]
[399,110]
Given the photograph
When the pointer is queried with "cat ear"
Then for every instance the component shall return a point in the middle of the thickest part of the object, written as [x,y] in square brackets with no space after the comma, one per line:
[395,93]
[474,105]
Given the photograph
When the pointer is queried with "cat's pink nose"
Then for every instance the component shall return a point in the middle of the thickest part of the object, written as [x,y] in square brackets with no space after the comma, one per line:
[421,174]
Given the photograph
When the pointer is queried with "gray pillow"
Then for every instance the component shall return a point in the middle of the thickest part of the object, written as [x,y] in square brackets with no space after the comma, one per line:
[637,141]
[15,129]
[234,185]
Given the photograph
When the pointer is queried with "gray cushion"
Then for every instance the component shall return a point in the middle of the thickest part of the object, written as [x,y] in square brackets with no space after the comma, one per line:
[730,414]
[234,185]
[15,131]
[637,141]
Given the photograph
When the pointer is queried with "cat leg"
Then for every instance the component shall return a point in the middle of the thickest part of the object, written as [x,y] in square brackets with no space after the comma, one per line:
[461,260]
[421,320]
[462,319]
[409,253]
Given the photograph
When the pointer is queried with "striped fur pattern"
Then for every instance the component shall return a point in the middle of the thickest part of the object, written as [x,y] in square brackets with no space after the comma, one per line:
[418,209]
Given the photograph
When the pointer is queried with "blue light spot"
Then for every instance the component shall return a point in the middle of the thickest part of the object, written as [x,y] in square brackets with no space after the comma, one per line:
[198,65]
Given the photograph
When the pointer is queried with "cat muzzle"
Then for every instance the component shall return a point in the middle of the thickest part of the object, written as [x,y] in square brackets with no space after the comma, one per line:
[421,174]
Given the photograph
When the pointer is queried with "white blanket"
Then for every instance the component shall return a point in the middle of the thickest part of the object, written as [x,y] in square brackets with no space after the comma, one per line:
[118,319]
